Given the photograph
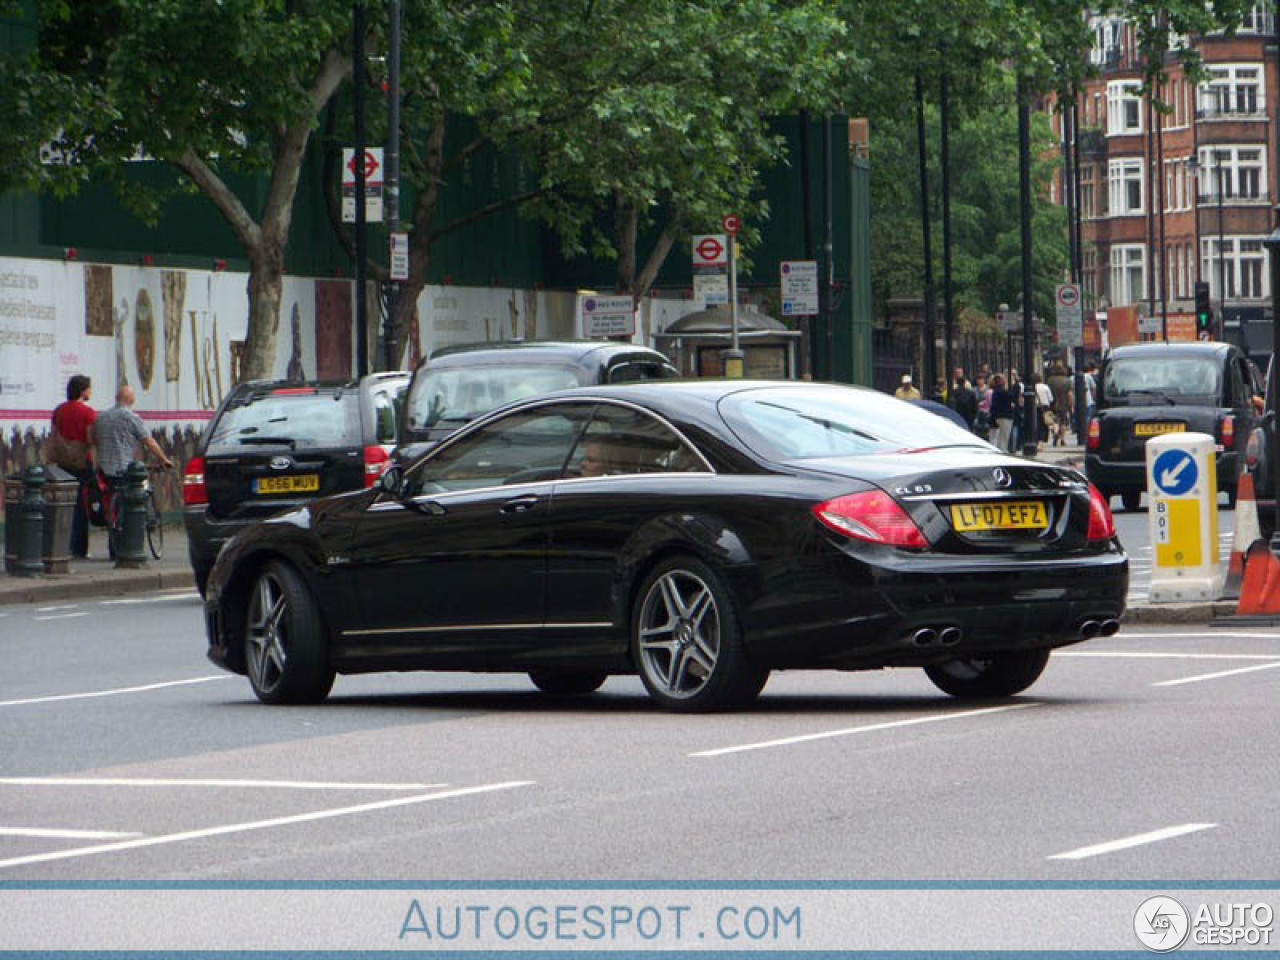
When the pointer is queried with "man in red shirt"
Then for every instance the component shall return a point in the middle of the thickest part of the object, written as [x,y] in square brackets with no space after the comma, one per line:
[74,419]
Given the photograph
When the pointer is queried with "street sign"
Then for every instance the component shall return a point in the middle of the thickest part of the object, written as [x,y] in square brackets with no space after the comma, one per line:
[1182,487]
[399,256]
[710,250]
[1008,322]
[1175,472]
[799,288]
[1070,311]
[607,316]
[711,288]
[731,224]
[372,185]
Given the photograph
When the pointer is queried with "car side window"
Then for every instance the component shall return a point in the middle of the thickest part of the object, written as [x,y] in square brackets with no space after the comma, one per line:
[641,370]
[528,446]
[388,403]
[622,440]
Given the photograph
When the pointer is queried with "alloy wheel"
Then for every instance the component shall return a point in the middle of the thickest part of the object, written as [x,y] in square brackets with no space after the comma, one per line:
[265,649]
[679,634]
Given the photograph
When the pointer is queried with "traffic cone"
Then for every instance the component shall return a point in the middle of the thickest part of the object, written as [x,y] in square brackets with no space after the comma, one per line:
[1247,532]
[1260,591]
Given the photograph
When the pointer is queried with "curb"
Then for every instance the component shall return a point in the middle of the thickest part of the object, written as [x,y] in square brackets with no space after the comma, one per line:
[1171,614]
[40,589]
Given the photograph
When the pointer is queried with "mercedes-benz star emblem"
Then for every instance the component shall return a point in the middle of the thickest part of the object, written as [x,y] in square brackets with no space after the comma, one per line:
[281,463]
[1002,477]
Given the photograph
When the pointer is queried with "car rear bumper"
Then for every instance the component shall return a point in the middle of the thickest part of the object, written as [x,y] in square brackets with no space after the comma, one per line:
[1119,475]
[206,535]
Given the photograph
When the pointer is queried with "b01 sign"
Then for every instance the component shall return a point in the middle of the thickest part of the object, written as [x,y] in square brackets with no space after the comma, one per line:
[607,316]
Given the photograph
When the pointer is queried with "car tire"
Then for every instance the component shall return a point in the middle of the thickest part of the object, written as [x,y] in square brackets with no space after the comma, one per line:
[993,675]
[1131,499]
[686,640]
[567,682]
[286,655]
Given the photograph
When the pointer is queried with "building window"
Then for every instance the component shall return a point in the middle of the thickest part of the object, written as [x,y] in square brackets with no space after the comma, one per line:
[1089,274]
[1233,89]
[1128,273]
[1242,173]
[1242,267]
[1124,108]
[1257,19]
[1088,196]
[1125,187]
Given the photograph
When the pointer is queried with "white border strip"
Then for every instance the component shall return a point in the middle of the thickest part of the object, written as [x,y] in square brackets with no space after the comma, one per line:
[1215,676]
[1168,656]
[1137,840]
[113,693]
[174,782]
[64,834]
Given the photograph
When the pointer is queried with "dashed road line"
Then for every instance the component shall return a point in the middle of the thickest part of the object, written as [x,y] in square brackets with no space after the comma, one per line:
[64,834]
[113,693]
[64,606]
[1216,676]
[184,595]
[1152,655]
[209,782]
[1137,840]
[59,616]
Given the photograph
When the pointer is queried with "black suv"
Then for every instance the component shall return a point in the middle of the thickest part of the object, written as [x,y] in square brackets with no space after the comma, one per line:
[1148,389]
[457,384]
[272,445]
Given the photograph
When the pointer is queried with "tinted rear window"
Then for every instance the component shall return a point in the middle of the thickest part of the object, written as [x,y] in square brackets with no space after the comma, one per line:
[451,395]
[288,419]
[791,423]
[1141,380]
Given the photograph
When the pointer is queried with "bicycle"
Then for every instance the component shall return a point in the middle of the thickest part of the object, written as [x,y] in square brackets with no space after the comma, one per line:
[114,515]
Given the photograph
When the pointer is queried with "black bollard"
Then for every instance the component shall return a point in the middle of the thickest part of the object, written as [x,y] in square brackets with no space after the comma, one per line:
[131,550]
[30,557]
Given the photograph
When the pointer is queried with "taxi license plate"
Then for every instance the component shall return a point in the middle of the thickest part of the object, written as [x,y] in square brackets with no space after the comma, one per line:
[300,483]
[1153,429]
[1014,515]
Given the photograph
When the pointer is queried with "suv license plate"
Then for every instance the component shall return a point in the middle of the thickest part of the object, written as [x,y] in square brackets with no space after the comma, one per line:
[300,483]
[1014,515]
[1152,429]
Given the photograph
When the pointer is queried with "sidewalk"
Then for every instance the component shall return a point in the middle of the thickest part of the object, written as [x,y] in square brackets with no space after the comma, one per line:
[99,577]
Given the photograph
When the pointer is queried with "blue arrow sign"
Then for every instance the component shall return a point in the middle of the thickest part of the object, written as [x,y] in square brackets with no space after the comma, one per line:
[1175,472]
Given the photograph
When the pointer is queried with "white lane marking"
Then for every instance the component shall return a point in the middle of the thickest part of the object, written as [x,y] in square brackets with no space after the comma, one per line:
[60,616]
[1137,840]
[112,693]
[1215,676]
[64,834]
[257,824]
[1206,631]
[64,606]
[869,728]
[1145,655]
[184,595]
[206,782]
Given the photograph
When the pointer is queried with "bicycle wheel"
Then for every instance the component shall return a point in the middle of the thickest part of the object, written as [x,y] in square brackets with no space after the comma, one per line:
[155,528]
[114,518]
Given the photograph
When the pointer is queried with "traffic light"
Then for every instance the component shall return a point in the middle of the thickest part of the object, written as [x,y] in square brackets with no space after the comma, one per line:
[1204,313]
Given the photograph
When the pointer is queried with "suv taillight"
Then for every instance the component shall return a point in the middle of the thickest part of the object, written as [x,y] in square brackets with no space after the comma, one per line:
[194,493]
[375,461]
[1094,438]
[1102,525]
[873,516]
[1253,450]
[1228,431]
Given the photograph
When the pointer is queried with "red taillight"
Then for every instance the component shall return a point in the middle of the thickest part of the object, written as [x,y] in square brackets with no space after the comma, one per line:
[874,516]
[1095,434]
[1228,431]
[194,493]
[375,461]
[1101,524]
[290,391]
[1253,450]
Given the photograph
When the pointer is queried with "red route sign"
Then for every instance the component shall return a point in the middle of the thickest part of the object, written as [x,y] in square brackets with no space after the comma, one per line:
[710,249]
[732,224]
[370,164]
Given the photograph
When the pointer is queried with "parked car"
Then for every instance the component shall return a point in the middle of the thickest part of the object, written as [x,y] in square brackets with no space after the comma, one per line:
[274,445]
[459,383]
[1149,389]
[699,533]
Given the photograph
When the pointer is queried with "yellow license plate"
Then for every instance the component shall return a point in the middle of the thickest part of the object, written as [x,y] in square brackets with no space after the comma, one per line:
[1152,429]
[1014,515]
[300,483]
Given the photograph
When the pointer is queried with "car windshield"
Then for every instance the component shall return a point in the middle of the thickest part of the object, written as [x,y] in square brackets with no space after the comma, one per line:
[1161,379]
[454,395]
[293,417]
[790,423]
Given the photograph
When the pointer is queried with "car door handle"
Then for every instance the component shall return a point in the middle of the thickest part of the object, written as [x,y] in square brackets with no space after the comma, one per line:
[520,504]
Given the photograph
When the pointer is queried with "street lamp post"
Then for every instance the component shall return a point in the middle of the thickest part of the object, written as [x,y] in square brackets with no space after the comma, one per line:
[1272,243]
[1222,270]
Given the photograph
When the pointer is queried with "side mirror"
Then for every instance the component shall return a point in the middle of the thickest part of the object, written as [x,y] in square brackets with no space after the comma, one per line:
[392,482]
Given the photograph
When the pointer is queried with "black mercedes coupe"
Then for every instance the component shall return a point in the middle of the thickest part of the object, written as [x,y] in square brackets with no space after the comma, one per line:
[698,533]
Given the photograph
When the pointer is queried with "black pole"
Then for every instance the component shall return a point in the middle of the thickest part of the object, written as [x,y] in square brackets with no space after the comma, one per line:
[393,347]
[1068,180]
[1077,268]
[1150,159]
[828,268]
[1030,428]
[1222,264]
[948,306]
[362,254]
[806,207]
[1272,243]
[928,371]
[1164,250]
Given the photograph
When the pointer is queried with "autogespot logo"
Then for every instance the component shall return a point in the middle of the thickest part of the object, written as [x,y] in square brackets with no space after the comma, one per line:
[1162,924]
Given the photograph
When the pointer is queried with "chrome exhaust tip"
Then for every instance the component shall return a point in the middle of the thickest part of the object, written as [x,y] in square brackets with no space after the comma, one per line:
[1110,628]
[924,637]
[1090,629]
[950,636]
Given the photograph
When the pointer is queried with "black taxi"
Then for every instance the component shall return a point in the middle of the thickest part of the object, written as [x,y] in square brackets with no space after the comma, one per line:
[1149,389]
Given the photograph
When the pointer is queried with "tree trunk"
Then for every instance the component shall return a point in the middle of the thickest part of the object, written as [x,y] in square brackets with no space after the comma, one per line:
[266,285]
[657,257]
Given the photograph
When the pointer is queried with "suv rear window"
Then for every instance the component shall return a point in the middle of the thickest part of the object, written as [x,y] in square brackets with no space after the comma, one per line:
[293,417]
[1142,380]
[458,394]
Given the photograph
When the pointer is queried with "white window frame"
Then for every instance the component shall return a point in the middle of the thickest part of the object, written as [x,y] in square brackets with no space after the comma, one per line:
[1120,95]
[1128,273]
[1121,174]
[1257,20]
[1244,263]
[1236,173]
[1221,96]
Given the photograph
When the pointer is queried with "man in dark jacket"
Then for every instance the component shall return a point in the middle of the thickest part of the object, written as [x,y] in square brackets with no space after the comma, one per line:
[963,400]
